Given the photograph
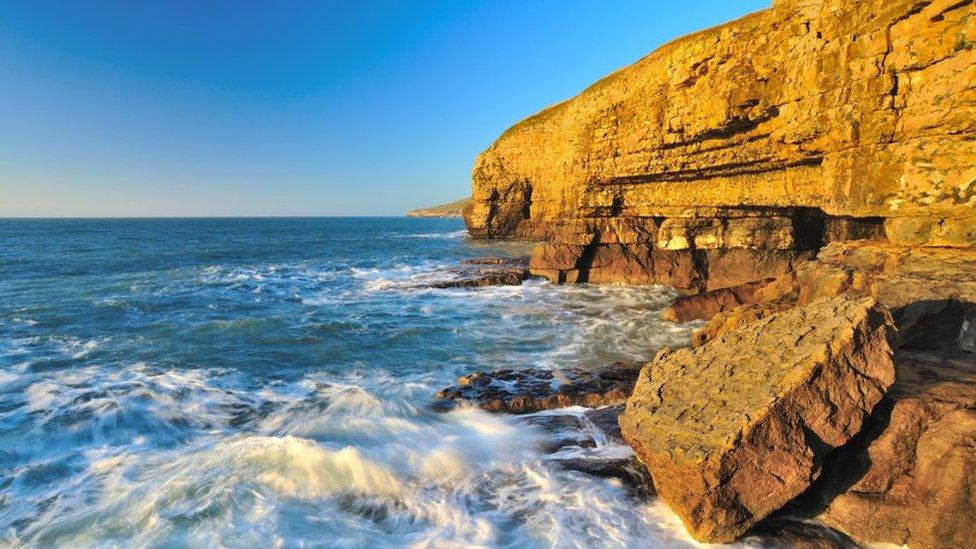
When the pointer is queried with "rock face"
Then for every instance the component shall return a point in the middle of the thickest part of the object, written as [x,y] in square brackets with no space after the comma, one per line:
[723,155]
[733,430]
[930,291]
[908,479]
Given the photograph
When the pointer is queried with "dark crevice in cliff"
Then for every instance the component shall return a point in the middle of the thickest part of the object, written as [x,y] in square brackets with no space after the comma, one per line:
[732,128]
[809,231]
[585,262]
[730,169]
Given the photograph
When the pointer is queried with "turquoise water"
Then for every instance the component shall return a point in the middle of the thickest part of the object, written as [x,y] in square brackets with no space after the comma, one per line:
[268,382]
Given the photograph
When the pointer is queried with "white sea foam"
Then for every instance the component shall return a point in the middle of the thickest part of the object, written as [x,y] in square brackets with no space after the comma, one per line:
[452,234]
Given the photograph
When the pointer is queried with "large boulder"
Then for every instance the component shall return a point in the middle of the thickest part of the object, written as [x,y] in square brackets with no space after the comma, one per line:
[909,478]
[734,429]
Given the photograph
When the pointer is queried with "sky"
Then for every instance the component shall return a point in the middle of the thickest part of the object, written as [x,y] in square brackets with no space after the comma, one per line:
[356,107]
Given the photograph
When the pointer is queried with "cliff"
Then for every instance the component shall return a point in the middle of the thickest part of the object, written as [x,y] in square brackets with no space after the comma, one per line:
[785,170]
[451,209]
[737,149]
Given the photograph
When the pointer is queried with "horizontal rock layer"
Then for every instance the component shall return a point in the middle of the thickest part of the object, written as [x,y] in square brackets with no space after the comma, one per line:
[809,122]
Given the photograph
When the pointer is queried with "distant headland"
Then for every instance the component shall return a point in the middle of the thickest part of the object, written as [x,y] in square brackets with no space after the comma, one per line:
[451,209]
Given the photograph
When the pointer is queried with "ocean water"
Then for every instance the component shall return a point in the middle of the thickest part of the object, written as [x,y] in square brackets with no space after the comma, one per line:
[268,382]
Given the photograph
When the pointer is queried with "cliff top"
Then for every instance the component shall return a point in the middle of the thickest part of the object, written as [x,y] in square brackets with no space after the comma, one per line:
[451,209]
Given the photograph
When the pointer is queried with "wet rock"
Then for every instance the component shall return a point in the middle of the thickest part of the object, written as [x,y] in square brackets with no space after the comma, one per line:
[627,469]
[485,277]
[531,390]
[797,534]
[909,477]
[606,419]
[733,430]
[588,441]
[506,261]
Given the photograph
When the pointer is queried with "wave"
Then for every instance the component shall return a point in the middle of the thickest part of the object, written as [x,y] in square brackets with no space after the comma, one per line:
[453,234]
[355,449]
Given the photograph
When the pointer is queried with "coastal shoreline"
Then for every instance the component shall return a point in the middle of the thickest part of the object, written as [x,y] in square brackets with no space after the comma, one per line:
[814,203]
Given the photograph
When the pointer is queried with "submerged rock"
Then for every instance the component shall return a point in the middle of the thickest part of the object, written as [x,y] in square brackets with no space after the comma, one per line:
[531,390]
[589,441]
[798,534]
[733,430]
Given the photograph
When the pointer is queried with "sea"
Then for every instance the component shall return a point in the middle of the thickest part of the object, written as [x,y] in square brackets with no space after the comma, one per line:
[271,383]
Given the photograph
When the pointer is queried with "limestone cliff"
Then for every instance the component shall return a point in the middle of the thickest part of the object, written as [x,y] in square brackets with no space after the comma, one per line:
[811,121]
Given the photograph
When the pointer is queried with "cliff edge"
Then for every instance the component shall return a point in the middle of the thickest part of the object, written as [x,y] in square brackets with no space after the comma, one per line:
[742,146]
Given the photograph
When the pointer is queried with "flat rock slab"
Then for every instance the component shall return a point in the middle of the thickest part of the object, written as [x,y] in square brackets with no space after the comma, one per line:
[532,390]
[705,305]
[733,430]
[501,261]
[475,278]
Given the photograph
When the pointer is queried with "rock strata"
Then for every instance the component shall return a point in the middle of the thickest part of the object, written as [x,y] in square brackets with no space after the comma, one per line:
[734,429]
[532,390]
[722,156]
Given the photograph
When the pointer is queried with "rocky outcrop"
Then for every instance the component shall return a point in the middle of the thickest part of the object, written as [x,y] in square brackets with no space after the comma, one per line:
[907,479]
[511,276]
[481,271]
[733,430]
[930,291]
[723,155]
[706,305]
[736,318]
[530,390]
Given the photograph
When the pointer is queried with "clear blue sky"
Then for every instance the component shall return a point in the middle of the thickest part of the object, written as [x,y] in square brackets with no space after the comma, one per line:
[355,107]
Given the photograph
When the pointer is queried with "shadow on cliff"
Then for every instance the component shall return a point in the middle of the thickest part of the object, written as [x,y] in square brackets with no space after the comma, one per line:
[937,349]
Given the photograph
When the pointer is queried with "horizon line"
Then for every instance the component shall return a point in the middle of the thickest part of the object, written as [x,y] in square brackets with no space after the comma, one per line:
[108,217]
